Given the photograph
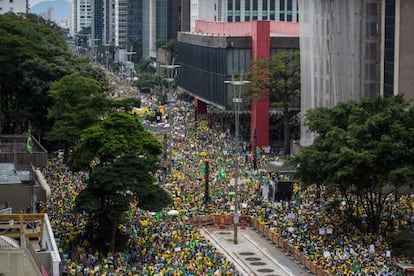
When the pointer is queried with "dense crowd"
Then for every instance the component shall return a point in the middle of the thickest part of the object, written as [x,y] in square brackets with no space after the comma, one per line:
[160,244]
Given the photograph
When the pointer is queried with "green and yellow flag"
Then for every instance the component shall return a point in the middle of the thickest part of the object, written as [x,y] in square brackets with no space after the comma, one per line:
[29,144]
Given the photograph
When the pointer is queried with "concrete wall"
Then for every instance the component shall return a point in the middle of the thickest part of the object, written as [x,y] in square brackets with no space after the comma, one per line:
[405,47]
[17,262]
[18,196]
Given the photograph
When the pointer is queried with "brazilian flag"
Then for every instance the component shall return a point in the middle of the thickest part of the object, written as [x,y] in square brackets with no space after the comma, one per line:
[29,144]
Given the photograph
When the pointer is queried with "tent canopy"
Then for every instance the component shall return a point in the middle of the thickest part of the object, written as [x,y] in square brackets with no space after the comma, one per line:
[279,167]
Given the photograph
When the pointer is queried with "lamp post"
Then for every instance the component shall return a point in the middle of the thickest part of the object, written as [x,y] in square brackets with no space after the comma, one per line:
[106,55]
[237,100]
[171,73]
[94,46]
[130,64]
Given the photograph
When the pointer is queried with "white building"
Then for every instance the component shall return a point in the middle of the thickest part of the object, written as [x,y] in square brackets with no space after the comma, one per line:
[16,6]
[243,10]
[81,15]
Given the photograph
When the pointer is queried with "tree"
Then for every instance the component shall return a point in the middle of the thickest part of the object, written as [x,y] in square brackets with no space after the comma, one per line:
[361,147]
[125,157]
[33,54]
[111,188]
[116,135]
[126,104]
[281,75]
[77,104]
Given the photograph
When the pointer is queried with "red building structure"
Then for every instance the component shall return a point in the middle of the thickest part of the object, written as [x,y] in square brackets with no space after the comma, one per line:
[228,47]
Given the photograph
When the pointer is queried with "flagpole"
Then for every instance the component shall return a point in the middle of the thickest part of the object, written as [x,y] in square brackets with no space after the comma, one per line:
[29,148]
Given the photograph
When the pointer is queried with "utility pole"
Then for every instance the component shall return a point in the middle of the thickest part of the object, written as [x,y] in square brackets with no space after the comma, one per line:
[130,64]
[106,55]
[171,73]
[237,100]
[94,46]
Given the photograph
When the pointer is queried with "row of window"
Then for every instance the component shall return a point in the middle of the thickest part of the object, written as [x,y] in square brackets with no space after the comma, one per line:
[269,10]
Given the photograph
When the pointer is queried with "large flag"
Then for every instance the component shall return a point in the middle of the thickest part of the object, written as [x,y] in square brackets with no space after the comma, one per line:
[29,144]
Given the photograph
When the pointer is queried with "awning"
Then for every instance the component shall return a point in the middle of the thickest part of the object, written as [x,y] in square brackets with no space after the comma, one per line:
[278,166]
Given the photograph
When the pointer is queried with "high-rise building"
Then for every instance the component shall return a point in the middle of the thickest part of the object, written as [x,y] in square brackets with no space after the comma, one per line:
[126,23]
[97,24]
[354,49]
[167,19]
[81,15]
[397,44]
[244,10]
[134,28]
[149,29]
[16,6]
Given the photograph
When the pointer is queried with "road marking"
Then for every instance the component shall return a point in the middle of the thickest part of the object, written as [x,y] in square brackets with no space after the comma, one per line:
[239,264]
[284,268]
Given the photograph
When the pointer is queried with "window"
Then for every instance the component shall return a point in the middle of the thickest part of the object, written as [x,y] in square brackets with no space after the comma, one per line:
[237,11]
[272,10]
[247,10]
[255,9]
[264,10]
[282,10]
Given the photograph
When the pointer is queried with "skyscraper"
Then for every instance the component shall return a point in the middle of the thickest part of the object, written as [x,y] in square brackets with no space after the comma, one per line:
[340,44]
[244,10]
[81,15]
[397,61]
[354,49]
[20,6]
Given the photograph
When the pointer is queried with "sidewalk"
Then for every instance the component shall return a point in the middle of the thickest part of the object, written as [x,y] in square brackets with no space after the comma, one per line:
[253,254]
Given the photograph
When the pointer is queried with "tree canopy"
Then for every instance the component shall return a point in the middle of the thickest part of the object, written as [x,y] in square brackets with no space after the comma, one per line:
[117,135]
[33,54]
[361,148]
[280,76]
[77,104]
[122,158]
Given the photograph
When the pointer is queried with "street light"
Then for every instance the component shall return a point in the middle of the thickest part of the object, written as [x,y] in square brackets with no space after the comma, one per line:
[171,72]
[94,46]
[130,64]
[106,55]
[237,100]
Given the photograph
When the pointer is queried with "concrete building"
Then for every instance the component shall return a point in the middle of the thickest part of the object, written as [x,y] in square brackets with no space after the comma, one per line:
[27,244]
[218,49]
[16,6]
[149,29]
[354,49]
[243,10]
[397,44]
[81,15]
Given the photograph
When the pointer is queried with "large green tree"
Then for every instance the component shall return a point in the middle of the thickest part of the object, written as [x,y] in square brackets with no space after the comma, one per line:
[280,75]
[77,104]
[32,55]
[122,158]
[360,148]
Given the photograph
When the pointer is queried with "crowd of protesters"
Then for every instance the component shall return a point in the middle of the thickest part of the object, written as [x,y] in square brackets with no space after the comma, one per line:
[160,244]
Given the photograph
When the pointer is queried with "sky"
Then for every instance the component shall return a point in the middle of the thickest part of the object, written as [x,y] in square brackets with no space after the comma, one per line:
[34,2]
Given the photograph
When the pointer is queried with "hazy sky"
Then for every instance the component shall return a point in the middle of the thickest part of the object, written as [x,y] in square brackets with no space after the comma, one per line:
[34,2]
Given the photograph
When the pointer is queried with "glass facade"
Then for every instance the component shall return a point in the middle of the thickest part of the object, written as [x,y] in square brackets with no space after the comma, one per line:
[211,67]
[162,20]
[246,10]
[135,23]
[98,21]
[168,19]
[389,48]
